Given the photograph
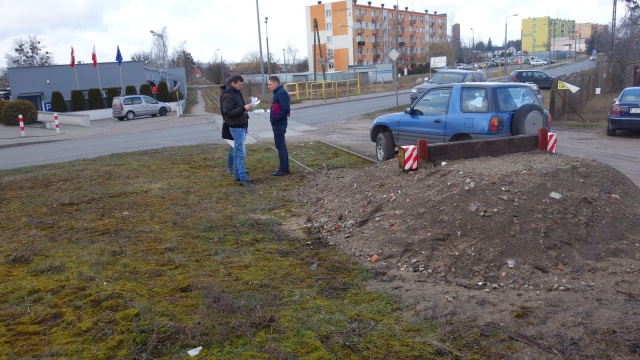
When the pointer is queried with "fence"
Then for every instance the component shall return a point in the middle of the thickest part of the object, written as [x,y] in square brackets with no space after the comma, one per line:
[301,91]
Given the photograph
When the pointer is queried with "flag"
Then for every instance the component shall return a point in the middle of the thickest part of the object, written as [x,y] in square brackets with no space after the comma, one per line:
[119,56]
[73,58]
[93,57]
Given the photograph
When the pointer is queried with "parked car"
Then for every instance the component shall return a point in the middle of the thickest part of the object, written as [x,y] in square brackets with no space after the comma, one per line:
[536,89]
[539,78]
[625,112]
[548,61]
[593,58]
[448,77]
[463,111]
[535,62]
[131,106]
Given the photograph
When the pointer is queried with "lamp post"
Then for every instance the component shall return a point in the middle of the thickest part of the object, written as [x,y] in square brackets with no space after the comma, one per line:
[164,52]
[284,63]
[264,92]
[473,46]
[221,68]
[266,31]
[505,35]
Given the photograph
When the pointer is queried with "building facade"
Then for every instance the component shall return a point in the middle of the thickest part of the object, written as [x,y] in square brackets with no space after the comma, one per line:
[546,34]
[344,34]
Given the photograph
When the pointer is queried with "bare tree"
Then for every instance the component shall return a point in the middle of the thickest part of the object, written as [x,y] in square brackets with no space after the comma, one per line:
[159,50]
[143,56]
[292,55]
[4,77]
[627,50]
[182,58]
[28,53]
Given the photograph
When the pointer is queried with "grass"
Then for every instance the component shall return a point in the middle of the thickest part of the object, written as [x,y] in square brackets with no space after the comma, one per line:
[149,254]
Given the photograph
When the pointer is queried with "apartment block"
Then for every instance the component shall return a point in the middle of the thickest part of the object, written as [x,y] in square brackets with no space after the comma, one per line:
[349,33]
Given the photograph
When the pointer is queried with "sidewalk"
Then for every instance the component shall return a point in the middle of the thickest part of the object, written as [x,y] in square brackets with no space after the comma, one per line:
[11,136]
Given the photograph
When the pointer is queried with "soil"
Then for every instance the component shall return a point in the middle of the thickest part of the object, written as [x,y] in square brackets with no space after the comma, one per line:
[541,250]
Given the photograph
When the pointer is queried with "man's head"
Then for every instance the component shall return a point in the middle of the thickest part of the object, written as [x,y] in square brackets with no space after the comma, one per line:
[236,81]
[273,83]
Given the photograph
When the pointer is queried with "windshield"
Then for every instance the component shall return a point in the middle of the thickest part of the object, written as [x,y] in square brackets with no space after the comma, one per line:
[446,78]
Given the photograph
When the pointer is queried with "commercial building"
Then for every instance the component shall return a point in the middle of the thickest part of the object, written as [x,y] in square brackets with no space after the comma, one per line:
[345,34]
[547,34]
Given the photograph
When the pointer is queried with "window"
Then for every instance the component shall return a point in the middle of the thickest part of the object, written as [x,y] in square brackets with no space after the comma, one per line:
[434,102]
[328,26]
[328,13]
[329,39]
[329,52]
[474,100]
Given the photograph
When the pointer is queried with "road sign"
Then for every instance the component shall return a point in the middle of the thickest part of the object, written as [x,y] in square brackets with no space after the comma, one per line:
[566,86]
[394,55]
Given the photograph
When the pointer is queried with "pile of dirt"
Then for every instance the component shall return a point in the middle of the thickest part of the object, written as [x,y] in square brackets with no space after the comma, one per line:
[541,248]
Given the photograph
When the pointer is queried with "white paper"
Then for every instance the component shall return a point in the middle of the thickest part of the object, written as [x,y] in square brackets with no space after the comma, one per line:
[254,101]
[194,352]
[230,142]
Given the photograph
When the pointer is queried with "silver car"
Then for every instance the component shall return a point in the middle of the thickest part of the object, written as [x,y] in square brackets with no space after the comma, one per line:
[131,106]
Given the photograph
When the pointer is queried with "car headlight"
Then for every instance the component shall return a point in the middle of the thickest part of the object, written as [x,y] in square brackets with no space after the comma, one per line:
[414,90]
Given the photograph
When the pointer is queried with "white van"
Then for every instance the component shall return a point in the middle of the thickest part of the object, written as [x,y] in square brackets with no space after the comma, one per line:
[131,106]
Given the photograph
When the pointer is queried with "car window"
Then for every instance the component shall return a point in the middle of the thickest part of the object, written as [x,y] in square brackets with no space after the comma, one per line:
[474,100]
[136,100]
[505,99]
[479,77]
[127,101]
[540,75]
[434,102]
[446,78]
[630,96]
[150,100]
[523,96]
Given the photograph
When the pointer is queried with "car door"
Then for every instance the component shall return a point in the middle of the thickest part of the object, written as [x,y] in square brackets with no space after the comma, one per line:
[427,118]
[137,105]
[151,105]
[542,80]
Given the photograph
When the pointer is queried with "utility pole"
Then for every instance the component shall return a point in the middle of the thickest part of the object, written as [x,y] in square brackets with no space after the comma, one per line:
[264,90]
[266,30]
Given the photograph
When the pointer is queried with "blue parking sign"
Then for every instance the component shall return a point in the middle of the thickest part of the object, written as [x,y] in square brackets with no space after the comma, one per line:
[46,105]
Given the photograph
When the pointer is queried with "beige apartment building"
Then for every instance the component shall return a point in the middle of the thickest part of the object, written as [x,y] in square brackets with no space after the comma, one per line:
[357,33]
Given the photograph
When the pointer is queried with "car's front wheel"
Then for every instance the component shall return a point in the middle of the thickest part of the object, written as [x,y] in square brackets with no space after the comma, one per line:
[385,146]
[527,120]
[163,111]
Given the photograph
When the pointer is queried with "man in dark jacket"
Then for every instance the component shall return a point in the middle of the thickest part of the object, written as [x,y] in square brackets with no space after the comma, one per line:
[280,111]
[234,112]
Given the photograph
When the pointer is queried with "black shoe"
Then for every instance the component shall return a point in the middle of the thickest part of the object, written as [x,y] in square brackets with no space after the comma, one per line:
[247,179]
[246,183]
[280,173]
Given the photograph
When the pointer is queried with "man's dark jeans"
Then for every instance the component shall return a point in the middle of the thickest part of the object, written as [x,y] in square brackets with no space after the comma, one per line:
[281,146]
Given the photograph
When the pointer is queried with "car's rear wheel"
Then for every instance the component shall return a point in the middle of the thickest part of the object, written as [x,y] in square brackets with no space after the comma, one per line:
[163,111]
[610,131]
[154,115]
[131,115]
[385,146]
[120,118]
[527,120]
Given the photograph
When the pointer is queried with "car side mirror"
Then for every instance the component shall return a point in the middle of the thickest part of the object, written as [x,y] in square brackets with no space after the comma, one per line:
[408,110]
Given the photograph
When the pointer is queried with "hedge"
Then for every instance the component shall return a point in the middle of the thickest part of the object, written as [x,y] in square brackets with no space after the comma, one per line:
[96,101]
[57,102]
[78,102]
[130,90]
[145,89]
[173,95]
[111,93]
[11,110]
[163,92]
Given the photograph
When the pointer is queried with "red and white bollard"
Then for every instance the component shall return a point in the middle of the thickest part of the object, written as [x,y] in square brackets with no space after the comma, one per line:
[21,125]
[408,157]
[552,142]
[55,118]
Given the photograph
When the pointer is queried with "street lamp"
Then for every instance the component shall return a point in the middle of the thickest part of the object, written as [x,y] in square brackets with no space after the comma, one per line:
[221,68]
[505,35]
[266,31]
[473,46]
[164,52]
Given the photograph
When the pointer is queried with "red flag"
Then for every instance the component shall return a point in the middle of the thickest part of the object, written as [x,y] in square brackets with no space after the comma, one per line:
[73,58]
[94,58]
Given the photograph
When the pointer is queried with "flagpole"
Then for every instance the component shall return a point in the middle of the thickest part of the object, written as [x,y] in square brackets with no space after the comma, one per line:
[77,83]
[99,82]
[119,60]
[121,87]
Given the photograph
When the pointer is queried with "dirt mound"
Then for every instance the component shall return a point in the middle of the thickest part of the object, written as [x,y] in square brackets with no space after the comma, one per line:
[553,237]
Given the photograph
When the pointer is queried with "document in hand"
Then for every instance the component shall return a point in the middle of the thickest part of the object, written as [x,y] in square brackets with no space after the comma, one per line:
[254,101]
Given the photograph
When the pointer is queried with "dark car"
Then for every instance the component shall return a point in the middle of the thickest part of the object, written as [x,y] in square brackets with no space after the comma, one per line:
[537,77]
[448,77]
[453,112]
[625,112]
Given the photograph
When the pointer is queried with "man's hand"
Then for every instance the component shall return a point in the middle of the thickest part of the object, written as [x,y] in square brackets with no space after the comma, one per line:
[248,107]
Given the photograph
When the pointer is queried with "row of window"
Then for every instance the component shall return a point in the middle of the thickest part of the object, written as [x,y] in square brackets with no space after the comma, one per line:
[391,15]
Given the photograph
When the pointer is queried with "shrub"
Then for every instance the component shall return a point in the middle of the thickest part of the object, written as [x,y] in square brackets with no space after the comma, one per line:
[57,102]
[111,93]
[96,101]
[173,95]
[163,91]
[78,102]
[11,110]
[130,90]
[145,89]
[2,102]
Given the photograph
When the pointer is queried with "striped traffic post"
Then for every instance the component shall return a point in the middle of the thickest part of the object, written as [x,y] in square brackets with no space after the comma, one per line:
[21,125]
[55,118]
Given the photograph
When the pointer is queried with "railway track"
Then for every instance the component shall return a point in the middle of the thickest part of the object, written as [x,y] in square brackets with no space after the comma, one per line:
[213,95]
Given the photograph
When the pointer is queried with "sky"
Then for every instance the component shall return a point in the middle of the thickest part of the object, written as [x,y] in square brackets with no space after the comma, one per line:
[229,28]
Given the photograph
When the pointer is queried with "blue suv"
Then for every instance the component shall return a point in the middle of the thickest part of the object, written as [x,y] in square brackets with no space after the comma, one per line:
[466,111]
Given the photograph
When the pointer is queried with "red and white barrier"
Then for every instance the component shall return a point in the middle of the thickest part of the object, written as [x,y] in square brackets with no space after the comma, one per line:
[552,142]
[21,125]
[409,159]
[55,118]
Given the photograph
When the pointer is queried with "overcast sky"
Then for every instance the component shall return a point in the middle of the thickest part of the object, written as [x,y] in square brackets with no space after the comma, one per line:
[232,25]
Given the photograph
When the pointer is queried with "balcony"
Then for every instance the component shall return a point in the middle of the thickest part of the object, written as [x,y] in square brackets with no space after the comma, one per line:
[359,17]
[374,19]
[376,56]
[360,43]
[401,43]
[376,44]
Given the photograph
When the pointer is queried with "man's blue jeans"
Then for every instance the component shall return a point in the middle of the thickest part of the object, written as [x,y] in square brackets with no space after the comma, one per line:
[239,136]
[281,146]
[230,159]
